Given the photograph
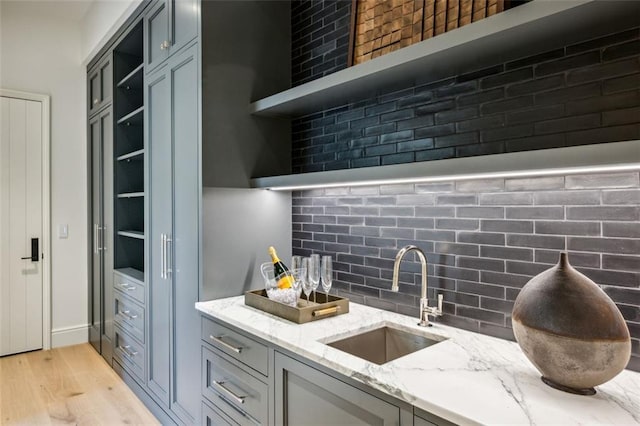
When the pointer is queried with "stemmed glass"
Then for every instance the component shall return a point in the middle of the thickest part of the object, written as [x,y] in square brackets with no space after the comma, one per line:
[304,278]
[314,272]
[327,274]
[298,272]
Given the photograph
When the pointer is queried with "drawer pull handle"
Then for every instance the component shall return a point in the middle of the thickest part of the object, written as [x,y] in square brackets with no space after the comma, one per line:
[225,344]
[128,315]
[326,311]
[127,287]
[127,352]
[222,389]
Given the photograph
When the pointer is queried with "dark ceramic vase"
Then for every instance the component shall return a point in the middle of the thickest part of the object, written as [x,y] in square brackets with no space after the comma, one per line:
[570,330]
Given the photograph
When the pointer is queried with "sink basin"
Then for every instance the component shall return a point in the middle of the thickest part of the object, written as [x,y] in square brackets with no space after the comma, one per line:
[383,344]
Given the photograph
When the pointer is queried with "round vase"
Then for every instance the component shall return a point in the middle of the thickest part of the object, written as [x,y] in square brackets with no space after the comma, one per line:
[570,329]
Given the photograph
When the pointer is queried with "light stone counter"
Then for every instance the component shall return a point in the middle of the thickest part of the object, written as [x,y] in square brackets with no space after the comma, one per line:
[468,378]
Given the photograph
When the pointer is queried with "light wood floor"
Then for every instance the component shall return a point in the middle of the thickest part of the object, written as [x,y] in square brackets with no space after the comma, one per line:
[70,385]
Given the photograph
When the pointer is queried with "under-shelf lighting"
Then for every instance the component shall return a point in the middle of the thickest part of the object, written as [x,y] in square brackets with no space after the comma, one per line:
[472,176]
[585,159]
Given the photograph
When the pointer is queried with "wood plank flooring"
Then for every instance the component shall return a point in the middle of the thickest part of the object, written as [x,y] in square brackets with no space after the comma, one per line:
[70,385]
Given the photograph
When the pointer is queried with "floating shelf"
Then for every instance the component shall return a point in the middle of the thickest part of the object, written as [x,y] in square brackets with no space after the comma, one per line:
[131,195]
[132,234]
[132,273]
[133,118]
[135,155]
[133,80]
[528,29]
[571,160]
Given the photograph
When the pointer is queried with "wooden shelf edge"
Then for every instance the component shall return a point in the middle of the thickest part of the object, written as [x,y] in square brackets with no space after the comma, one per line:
[526,30]
[569,160]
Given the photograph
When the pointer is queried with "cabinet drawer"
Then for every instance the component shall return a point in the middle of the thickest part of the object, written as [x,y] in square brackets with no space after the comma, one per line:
[130,286]
[129,353]
[242,348]
[213,417]
[129,316]
[237,393]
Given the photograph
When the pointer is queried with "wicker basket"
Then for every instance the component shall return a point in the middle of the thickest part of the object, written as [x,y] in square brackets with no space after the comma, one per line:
[382,26]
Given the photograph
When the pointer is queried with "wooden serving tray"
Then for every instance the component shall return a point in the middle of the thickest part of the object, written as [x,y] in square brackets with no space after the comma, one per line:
[303,312]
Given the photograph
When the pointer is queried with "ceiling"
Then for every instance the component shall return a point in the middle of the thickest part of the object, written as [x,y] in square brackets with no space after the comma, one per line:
[73,10]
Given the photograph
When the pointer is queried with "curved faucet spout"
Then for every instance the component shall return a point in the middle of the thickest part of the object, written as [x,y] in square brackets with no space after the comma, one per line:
[396,267]
[425,310]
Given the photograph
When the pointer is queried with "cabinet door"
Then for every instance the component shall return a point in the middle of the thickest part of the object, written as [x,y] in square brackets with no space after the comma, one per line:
[158,143]
[106,233]
[95,290]
[100,82]
[183,23]
[156,35]
[306,396]
[184,247]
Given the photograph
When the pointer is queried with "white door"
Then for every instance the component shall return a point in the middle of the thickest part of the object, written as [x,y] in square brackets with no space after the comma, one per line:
[21,295]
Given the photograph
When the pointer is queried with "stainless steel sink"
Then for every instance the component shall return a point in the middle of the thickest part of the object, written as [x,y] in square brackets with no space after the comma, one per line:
[383,344]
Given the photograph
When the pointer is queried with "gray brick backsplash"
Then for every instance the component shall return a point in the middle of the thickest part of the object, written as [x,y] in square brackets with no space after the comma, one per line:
[534,183]
[625,196]
[511,226]
[568,228]
[604,213]
[571,198]
[507,198]
[484,240]
[611,180]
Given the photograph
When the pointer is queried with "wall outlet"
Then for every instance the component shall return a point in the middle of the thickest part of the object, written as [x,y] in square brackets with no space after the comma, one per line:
[63,231]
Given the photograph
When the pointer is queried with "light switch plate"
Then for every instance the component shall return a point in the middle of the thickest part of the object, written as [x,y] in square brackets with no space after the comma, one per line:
[63,231]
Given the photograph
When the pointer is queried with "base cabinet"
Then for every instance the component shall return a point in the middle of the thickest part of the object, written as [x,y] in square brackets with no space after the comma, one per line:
[306,396]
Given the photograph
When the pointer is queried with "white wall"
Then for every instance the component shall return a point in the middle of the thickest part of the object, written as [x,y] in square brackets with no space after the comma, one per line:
[101,21]
[43,55]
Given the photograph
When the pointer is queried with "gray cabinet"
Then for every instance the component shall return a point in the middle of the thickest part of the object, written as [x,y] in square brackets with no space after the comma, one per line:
[101,216]
[169,26]
[99,85]
[172,98]
[306,396]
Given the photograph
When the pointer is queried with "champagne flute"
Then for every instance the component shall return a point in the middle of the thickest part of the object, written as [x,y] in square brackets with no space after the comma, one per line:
[327,274]
[297,270]
[314,272]
[306,283]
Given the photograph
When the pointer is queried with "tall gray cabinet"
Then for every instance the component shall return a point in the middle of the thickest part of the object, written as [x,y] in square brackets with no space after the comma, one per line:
[174,265]
[164,84]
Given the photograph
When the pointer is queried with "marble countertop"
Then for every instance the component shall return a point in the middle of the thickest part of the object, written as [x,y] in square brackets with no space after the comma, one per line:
[468,378]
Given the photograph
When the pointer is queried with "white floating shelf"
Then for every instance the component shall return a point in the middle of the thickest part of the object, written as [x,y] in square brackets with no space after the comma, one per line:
[131,273]
[133,118]
[132,155]
[132,234]
[531,28]
[131,195]
[578,159]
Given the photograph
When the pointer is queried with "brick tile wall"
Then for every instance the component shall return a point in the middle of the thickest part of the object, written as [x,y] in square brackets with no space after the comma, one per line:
[484,240]
[320,38]
[581,94]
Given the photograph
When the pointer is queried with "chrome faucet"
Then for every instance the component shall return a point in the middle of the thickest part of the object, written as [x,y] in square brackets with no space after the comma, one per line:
[425,309]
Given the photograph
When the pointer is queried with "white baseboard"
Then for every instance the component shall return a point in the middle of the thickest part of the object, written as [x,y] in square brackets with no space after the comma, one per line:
[68,336]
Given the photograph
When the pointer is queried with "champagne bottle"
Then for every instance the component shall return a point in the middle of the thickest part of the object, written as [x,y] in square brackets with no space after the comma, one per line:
[283,277]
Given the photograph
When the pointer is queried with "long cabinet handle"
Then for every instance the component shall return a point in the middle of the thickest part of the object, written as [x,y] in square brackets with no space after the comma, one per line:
[162,257]
[95,238]
[169,253]
[225,344]
[104,239]
[222,389]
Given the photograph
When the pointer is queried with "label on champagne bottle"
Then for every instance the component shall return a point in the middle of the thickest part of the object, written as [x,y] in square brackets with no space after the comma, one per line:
[280,271]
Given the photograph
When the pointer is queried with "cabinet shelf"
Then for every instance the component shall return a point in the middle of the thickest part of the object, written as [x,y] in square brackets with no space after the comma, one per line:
[131,195]
[534,27]
[133,118]
[132,156]
[577,159]
[133,80]
[132,234]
